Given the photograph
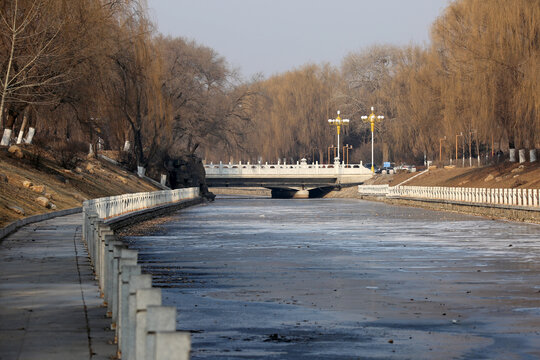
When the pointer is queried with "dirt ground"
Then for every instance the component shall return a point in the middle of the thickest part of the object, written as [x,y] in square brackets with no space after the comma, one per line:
[64,188]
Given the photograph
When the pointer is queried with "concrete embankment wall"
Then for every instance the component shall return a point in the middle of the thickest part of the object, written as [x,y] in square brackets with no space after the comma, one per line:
[144,329]
[506,213]
[255,191]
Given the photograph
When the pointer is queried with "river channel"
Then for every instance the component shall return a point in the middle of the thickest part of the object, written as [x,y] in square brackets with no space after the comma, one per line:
[260,278]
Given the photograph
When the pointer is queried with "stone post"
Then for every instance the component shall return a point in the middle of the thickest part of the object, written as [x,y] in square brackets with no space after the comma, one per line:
[172,345]
[104,231]
[127,257]
[129,313]
[158,318]
[143,298]
[164,179]
[111,285]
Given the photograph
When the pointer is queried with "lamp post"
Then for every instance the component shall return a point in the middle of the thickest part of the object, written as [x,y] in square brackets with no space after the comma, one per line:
[372,118]
[330,148]
[346,149]
[338,122]
[440,148]
[457,135]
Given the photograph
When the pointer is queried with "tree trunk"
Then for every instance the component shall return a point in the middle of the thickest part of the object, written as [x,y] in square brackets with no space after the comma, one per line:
[8,130]
[23,125]
[385,151]
[138,148]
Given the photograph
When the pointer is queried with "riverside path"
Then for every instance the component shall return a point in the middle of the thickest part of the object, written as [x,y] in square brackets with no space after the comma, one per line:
[50,306]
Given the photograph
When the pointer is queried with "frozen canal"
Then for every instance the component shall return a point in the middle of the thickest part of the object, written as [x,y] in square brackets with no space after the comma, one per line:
[347,279]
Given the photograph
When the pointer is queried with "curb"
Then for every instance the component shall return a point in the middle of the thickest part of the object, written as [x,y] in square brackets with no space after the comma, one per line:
[12,227]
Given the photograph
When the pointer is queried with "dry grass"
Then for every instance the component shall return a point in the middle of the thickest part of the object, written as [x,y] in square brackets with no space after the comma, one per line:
[67,188]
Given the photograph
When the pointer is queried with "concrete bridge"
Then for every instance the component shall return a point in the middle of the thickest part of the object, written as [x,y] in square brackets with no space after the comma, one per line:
[300,180]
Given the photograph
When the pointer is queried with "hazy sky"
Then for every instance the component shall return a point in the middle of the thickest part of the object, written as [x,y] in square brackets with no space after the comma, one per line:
[273,36]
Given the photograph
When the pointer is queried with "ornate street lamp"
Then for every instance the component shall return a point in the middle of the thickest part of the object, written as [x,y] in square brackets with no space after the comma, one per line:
[372,118]
[338,122]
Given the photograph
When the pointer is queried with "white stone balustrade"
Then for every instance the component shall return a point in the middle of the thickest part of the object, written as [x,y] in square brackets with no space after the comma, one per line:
[120,280]
[374,190]
[298,169]
[512,197]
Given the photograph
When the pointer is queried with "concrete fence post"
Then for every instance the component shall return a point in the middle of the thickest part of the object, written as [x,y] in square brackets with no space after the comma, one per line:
[107,268]
[172,345]
[129,313]
[158,318]
[111,286]
[143,298]
[104,231]
[127,275]
[127,258]
[92,221]
[95,245]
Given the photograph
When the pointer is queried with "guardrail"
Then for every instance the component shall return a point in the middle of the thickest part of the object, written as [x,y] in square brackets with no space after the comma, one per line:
[486,196]
[285,169]
[376,190]
[144,329]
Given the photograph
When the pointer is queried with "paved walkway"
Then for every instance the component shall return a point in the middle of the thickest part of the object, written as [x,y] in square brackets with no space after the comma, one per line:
[49,301]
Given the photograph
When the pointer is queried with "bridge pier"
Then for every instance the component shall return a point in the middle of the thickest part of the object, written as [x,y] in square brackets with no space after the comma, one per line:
[301,194]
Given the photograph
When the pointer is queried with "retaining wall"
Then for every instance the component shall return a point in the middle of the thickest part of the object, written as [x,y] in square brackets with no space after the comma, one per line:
[144,329]
[12,227]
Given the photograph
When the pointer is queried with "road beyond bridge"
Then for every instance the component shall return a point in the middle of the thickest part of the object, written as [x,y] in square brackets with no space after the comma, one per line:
[300,180]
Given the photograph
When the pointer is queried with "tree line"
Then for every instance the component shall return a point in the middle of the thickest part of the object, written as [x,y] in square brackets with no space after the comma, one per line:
[476,83]
[96,71]
[86,70]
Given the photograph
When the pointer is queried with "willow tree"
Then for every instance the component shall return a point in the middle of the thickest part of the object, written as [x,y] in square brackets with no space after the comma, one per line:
[291,118]
[489,53]
[367,77]
[133,91]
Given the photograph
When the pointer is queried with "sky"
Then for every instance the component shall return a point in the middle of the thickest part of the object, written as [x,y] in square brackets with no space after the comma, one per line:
[274,36]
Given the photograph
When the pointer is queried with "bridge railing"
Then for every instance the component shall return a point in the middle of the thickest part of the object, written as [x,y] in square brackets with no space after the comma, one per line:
[487,196]
[284,169]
